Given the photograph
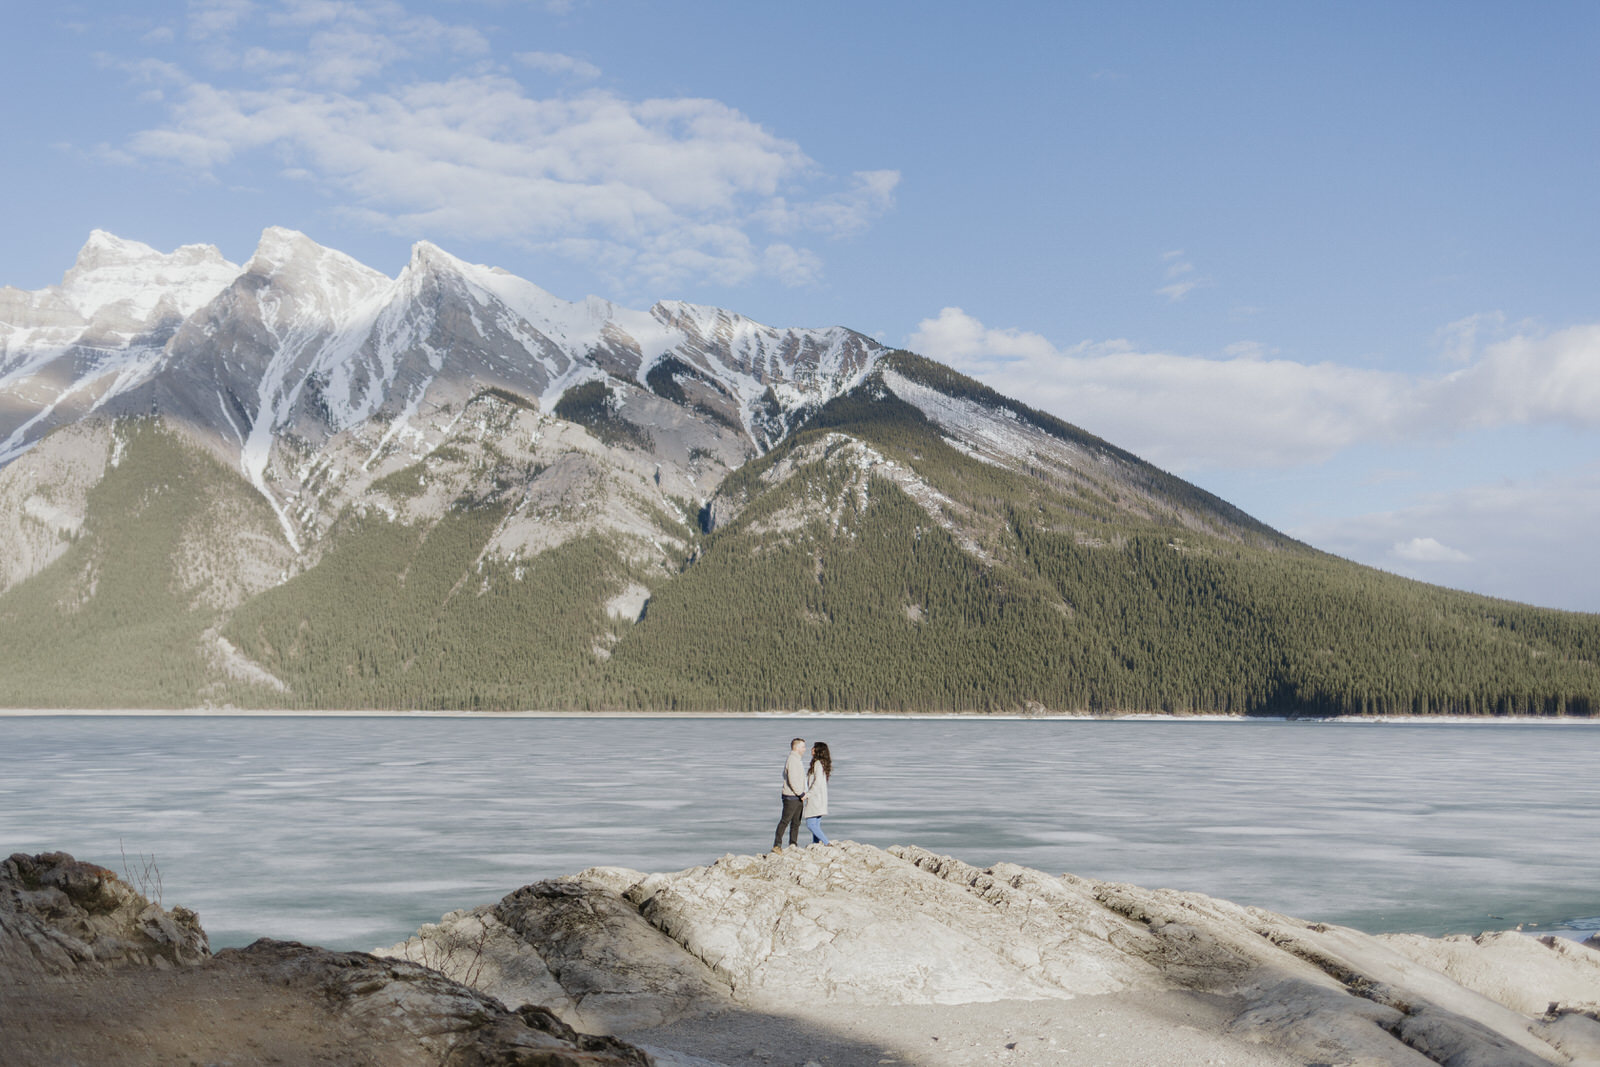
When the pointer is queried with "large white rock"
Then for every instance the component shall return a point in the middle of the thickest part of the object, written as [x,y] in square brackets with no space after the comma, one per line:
[615,950]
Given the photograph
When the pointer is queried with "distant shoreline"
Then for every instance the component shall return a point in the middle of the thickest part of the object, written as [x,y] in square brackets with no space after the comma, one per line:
[376,713]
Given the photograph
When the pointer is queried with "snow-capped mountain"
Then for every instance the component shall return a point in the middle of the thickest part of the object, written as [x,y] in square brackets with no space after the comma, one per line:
[306,342]
[301,482]
[73,347]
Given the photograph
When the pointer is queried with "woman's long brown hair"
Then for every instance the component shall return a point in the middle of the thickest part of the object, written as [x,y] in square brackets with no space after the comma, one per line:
[819,754]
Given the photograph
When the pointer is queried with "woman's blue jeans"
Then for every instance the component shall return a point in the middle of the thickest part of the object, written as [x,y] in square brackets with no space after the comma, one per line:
[814,824]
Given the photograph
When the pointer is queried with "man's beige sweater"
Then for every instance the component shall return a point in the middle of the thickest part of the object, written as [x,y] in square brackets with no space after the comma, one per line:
[794,775]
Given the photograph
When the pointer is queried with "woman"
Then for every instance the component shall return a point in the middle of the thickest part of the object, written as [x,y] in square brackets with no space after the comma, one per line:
[817,792]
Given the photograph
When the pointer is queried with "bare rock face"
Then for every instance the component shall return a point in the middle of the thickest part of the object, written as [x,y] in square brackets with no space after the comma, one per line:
[403,1005]
[855,925]
[574,945]
[62,917]
[93,972]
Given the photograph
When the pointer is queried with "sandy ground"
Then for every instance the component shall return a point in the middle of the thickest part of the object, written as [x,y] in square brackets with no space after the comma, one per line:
[218,1016]
[209,1016]
[1115,1030]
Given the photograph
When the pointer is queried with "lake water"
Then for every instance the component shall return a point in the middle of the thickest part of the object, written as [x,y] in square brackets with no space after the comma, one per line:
[351,832]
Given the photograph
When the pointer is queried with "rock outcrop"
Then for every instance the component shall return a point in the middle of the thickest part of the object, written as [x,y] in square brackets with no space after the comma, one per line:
[93,972]
[62,917]
[402,1005]
[615,951]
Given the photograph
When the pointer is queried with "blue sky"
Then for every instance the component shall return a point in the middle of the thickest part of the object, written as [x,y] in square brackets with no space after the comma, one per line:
[1339,264]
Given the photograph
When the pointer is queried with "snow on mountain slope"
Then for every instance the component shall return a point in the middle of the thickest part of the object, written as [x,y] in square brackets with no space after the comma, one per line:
[270,362]
[67,349]
[802,368]
[119,287]
[853,464]
[984,432]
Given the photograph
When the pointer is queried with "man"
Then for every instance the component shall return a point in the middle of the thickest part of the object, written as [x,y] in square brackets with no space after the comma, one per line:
[794,795]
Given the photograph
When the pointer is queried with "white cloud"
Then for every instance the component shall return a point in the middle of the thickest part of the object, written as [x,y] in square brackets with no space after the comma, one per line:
[653,191]
[1180,275]
[1180,412]
[1251,411]
[1248,350]
[1427,550]
[1531,377]
[347,43]
[216,18]
[558,63]
[790,265]
[268,61]
[1528,539]
[554,7]
[841,214]
[147,71]
[1459,340]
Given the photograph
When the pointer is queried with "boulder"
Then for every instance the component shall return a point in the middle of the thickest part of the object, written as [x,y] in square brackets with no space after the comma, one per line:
[853,925]
[93,972]
[398,1004]
[59,916]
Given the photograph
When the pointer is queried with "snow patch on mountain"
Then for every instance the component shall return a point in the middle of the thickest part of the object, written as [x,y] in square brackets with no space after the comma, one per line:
[140,284]
[317,305]
[860,463]
[67,349]
[116,290]
[273,360]
[984,428]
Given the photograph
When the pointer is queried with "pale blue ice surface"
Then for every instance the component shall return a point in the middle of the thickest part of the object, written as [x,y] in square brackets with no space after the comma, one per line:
[350,832]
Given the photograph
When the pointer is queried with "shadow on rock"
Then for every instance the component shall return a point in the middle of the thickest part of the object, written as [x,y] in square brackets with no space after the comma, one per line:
[92,972]
[847,929]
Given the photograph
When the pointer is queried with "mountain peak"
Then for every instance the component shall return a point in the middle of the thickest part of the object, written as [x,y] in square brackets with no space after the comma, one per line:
[374,340]
[280,246]
[428,258]
[104,249]
[112,270]
[297,263]
[429,253]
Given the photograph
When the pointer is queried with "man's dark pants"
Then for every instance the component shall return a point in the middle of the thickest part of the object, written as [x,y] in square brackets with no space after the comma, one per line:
[792,807]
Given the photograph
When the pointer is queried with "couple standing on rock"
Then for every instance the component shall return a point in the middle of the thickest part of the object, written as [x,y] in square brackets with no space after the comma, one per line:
[805,794]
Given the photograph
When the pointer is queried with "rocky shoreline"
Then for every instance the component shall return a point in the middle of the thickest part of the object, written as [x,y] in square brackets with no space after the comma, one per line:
[93,973]
[826,956]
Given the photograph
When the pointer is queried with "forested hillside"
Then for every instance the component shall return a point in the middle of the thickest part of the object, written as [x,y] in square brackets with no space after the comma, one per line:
[1080,600]
[302,483]
[864,564]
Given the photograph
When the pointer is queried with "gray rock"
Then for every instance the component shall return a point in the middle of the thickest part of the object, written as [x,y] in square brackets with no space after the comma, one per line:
[112,968]
[62,917]
[399,1002]
[575,945]
[856,925]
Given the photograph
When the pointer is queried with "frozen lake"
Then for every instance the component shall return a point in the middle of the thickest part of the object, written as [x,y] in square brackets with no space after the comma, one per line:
[351,832]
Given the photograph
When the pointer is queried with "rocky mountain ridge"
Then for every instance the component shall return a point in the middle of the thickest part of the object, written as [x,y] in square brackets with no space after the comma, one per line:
[273,362]
[301,482]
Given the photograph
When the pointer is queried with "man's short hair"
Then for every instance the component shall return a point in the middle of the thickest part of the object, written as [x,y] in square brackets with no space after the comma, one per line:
[797,741]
